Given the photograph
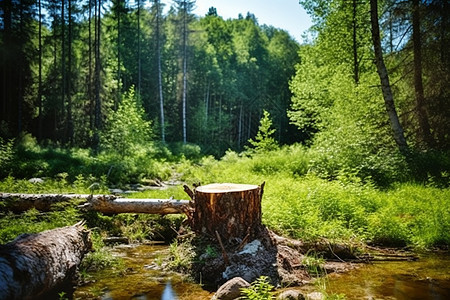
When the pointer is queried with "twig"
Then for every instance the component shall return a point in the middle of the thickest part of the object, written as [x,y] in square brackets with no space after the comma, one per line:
[189,191]
[244,241]
[332,252]
[224,253]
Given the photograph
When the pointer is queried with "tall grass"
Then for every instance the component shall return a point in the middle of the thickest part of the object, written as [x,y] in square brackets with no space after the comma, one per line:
[299,203]
[299,200]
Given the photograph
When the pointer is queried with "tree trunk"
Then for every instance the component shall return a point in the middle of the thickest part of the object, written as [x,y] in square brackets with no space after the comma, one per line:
[185,40]
[139,45]
[101,203]
[40,117]
[70,125]
[424,125]
[384,79]
[109,205]
[98,106]
[119,39]
[35,265]
[230,211]
[160,86]
[63,67]
[355,45]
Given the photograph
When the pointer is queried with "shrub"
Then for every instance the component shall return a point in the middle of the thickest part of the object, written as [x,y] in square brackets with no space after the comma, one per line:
[258,290]
[6,156]
[264,140]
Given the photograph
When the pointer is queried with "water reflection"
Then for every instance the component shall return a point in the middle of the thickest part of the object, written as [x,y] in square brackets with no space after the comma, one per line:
[141,279]
[168,293]
[425,279]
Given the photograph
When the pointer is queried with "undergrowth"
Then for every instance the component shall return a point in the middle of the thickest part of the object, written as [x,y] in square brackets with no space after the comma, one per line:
[303,205]
[298,201]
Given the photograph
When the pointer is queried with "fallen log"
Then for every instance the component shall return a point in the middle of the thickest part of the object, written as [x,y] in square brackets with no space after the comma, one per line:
[102,203]
[110,205]
[36,265]
[43,202]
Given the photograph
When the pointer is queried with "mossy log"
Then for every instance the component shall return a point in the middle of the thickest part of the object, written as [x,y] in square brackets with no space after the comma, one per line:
[227,211]
[102,203]
[18,202]
[34,266]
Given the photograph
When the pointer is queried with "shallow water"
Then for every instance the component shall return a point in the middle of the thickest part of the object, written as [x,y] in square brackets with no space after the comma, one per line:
[140,280]
[427,278]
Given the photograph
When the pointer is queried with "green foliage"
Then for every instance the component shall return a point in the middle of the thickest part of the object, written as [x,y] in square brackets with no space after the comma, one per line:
[264,140]
[314,264]
[126,131]
[32,160]
[305,206]
[33,221]
[101,258]
[258,290]
[181,255]
[6,156]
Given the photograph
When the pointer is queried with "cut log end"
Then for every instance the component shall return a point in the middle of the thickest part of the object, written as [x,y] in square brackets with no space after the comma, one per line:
[225,188]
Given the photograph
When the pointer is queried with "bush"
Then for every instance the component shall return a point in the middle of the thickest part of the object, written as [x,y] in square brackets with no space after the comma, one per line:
[258,290]
[6,156]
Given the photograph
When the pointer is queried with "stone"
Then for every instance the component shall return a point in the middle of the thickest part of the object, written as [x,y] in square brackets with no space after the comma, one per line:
[251,248]
[291,295]
[315,296]
[36,180]
[231,289]
[116,191]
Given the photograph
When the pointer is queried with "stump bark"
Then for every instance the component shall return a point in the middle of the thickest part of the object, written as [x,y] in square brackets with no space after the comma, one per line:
[35,265]
[227,210]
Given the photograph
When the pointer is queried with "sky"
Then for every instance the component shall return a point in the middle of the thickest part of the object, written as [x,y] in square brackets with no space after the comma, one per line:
[285,14]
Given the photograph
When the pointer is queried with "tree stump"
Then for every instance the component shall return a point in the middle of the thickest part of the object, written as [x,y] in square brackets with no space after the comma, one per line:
[227,210]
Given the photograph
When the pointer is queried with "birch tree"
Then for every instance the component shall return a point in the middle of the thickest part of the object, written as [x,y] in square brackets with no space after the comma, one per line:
[397,128]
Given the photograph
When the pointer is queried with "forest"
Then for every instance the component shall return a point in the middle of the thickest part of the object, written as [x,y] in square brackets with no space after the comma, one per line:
[66,66]
[349,128]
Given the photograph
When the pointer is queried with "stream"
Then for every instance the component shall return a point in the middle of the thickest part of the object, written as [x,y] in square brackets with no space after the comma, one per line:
[426,278]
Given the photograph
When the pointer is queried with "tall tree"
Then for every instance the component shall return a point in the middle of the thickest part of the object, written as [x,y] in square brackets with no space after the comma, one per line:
[397,128]
[97,79]
[185,8]
[70,125]
[40,117]
[355,41]
[424,125]
[139,45]
[158,9]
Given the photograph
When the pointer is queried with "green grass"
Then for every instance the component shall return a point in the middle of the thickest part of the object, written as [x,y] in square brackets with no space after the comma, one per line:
[302,205]
[297,202]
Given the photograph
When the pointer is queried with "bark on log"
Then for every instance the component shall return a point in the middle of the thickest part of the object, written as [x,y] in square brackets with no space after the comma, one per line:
[231,210]
[42,202]
[101,203]
[34,265]
[148,206]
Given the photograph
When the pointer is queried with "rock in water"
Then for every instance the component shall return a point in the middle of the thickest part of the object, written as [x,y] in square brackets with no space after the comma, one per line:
[231,289]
